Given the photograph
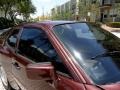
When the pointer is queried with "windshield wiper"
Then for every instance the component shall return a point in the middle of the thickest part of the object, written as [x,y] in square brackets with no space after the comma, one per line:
[112,53]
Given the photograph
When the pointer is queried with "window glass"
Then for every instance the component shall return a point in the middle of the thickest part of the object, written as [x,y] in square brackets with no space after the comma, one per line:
[12,39]
[35,45]
[90,47]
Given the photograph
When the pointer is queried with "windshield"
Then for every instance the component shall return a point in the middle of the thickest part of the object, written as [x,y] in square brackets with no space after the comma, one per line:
[84,41]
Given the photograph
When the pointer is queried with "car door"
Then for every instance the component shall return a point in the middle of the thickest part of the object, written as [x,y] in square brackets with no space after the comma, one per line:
[8,51]
[28,51]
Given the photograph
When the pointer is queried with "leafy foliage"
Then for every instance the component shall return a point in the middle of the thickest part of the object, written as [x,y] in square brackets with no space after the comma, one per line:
[5,23]
[12,8]
[25,8]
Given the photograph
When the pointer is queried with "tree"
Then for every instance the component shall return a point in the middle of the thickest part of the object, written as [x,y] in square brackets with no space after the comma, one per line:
[91,6]
[25,8]
[12,8]
[62,14]
[6,6]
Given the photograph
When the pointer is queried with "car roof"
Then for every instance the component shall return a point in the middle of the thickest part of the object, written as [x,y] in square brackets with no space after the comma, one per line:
[46,23]
[54,23]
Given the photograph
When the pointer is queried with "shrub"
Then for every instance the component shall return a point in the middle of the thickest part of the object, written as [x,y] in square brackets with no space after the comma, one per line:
[113,24]
[5,23]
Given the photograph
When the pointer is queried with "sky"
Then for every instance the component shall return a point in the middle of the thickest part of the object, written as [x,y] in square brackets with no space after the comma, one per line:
[45,6]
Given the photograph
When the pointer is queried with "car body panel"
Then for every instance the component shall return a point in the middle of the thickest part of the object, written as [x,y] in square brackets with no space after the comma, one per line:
[112,86]
[6,58]
[64,83]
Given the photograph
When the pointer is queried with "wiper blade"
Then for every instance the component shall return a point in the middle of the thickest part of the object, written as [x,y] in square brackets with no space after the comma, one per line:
[106,54]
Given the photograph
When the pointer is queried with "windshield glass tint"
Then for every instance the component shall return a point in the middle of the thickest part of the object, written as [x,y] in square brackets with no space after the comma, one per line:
[84,41]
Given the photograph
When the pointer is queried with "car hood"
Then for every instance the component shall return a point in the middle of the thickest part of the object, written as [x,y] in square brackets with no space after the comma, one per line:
[112,87]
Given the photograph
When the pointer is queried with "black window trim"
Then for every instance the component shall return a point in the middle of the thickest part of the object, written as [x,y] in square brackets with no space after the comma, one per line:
[17,45]
[13,49]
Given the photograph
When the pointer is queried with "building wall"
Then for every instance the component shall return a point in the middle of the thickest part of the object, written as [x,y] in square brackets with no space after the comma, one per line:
[89,10]
[110,9]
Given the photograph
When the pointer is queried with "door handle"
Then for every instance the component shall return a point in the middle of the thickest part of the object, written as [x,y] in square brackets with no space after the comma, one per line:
[17,66]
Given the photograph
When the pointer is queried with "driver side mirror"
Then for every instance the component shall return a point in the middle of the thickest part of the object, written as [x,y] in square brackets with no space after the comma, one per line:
[40,71]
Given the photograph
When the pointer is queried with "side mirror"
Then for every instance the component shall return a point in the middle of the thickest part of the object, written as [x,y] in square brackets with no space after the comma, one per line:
[40,71]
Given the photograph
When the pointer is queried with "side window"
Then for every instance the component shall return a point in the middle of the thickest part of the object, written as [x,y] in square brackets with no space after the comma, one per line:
[35,45]
[12,39]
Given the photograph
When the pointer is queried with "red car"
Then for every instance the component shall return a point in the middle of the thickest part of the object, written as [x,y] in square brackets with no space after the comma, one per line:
[61,55]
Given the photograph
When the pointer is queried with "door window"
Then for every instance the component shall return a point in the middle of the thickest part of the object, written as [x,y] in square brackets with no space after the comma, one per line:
[35,45]
[12,39]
